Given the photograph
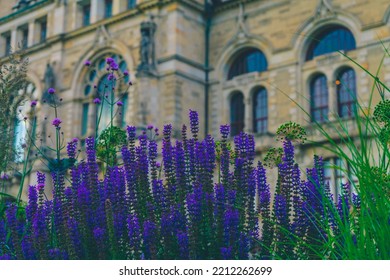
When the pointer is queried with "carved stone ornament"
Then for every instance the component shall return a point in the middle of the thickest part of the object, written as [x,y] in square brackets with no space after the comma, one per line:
[324,9]
[102,37]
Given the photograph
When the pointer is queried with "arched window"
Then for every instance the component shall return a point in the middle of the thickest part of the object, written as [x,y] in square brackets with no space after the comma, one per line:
[332,39]
[98,84]
[260,111]
[346,93]
[249,60]
[319,99]
[237,113]
[25,96]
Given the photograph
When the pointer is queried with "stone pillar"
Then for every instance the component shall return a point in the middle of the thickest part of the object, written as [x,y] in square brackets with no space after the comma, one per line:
[97,10]
[14,38]
[32,33]
[148,103]
[248,126]
[332,94]
[58,21]
[119,6]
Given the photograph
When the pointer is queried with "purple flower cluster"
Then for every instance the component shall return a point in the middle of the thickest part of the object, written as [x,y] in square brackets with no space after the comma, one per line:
[141,210]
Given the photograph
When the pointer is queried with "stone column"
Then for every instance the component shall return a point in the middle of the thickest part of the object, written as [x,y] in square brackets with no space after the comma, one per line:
[97,10]
[14,38]
[32,33]
[332,94]
[58,20]
[119,6]
[248,126]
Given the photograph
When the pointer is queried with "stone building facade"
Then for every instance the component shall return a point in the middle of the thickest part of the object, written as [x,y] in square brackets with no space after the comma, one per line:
[252,63]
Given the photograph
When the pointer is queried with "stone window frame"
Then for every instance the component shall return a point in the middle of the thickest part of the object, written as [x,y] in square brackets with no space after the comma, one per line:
[90,79]
[350,92]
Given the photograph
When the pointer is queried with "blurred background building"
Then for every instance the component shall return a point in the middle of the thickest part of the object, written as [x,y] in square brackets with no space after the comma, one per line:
[244,62]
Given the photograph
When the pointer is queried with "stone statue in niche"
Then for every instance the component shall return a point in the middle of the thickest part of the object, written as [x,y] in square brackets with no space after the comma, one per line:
[147,48]
[50,82]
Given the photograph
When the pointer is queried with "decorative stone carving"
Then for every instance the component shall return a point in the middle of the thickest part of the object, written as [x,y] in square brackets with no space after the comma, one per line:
[147,48]
[324,9]
[102,37]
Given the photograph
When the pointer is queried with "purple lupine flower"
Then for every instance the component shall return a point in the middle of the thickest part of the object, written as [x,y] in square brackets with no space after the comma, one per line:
[87,63]
[56,122]
[280,207]
[183,242]
[356,201]
[41,178]
[226,253]
[134,233]
[33,103]
[131,133]
[51,91]
[194,207]
[194,124]
[230,224]
[168,163]
[243,247]
[57,254]
[225,131]
[149,238]
[71,148]
[159,194]
[97,101]
[29,251]
[32,206]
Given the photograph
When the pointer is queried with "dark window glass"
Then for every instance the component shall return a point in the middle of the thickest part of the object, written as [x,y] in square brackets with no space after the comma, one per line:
[125,101]
[86,15]
[108,9]
[84,124]
[131,4]
[43,31]
[7,39]
[346,93]
[24,38]
[260,111]
[336,38]
[319,99]
[237,113]
[251,60]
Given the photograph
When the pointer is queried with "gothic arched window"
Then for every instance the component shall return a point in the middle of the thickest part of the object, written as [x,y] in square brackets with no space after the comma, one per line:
[97,84]
[249,60]
[237,113]
[333,38]
[260,111]
[319,104]
[346,93]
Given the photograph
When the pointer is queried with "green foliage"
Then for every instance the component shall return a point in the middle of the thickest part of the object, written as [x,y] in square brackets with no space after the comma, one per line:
[382,112]
[273,157]
[13,76]
[110,141]
[291,131]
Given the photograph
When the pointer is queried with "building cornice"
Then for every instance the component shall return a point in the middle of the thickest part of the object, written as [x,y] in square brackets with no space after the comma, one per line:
[25,10]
